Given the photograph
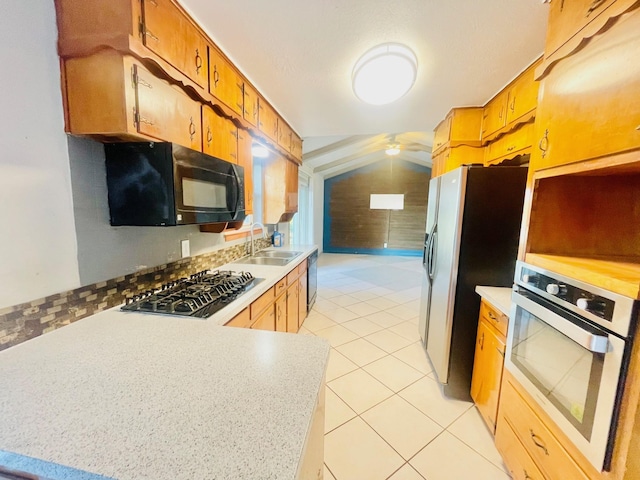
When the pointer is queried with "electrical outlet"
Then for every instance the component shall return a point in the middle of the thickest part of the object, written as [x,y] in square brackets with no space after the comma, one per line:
[385,244]
[186,248]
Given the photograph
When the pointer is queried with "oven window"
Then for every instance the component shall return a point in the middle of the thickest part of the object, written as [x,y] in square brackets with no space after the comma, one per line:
[566,373]
[196,193]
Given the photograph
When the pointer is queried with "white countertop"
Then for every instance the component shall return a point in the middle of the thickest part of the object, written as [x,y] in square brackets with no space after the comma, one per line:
[138,396]
[499,297]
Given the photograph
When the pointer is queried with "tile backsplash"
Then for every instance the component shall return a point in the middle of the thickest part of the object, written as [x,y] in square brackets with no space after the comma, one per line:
[20,323]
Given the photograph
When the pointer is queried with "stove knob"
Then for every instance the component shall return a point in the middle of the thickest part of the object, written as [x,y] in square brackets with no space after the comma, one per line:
[595,306]
[556,289]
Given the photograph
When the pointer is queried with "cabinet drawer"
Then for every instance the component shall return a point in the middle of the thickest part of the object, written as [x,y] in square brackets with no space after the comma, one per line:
[539,442]
[494,317]
[242,320]
[291,277]
[261,303]
[302,268]
[520,464]
[281,286]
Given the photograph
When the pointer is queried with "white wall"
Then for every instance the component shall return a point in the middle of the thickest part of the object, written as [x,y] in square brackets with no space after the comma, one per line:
[37,244]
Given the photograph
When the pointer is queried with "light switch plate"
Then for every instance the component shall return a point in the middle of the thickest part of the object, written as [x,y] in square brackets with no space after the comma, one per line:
[186,249]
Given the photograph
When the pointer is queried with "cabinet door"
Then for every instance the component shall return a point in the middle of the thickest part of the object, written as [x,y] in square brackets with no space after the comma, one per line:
[225,83]
[516,142]
[242,320]
[584,113]
[267,120]
[302,297]
[523,95]
[487,373]
[281,313]
[274,190]
[266,321]
[245,159]
[494,116]
[219,136]
[165,113]
[250,105]
[292,307]
[169,33]
[296,147]
[284,135]
[567,18]
[442,132]
[291,181]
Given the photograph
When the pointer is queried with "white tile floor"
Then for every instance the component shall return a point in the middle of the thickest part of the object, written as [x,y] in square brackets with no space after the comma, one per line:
[386,417]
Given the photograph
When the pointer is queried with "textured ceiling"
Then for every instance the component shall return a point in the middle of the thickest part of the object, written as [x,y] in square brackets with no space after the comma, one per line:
[300,55]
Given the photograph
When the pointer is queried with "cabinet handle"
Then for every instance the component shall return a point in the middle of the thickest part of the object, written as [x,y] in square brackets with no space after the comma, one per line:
[147,33]
[513,105]
[482,341]
[500,114]
[543,145]
[192,128]
[638,128]
[153,2]
[233,155]
[216,76]
[492,316]
[198,62]
[510,148]
[526,475]
[594,6]
[537,442]
[209,136]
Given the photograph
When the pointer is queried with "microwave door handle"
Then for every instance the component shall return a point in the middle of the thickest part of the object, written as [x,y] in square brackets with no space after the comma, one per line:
[594,342]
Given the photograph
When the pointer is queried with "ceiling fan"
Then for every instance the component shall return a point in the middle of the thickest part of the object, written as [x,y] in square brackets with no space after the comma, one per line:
[394,147]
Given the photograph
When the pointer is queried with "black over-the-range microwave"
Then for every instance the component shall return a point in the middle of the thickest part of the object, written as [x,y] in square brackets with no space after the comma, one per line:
[164,184]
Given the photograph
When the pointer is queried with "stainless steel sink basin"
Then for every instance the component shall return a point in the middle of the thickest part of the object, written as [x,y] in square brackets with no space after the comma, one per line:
[274,254]
[279,262]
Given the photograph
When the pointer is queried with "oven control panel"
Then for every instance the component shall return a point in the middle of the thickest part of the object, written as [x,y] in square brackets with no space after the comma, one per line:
[584,299]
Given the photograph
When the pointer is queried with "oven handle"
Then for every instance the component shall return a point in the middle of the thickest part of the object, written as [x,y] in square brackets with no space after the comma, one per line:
[591,341]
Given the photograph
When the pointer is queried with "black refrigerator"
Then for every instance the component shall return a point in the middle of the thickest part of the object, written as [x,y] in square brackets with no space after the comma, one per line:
[473,226]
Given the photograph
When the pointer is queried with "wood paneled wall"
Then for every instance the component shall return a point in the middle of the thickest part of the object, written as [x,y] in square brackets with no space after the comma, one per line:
[350,225]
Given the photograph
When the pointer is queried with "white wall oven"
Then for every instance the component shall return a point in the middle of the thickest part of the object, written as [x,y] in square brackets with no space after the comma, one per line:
[569,345]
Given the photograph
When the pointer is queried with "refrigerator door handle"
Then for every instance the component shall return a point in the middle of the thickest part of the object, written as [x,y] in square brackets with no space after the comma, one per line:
[432,254]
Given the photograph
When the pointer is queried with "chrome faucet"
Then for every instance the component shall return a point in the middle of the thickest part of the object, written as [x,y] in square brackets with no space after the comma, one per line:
[255,224]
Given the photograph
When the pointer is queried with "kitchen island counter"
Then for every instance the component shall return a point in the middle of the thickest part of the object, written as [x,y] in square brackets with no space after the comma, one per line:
[139,396]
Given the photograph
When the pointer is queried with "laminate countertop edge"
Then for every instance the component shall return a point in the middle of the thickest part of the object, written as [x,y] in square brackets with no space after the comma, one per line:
[499,297]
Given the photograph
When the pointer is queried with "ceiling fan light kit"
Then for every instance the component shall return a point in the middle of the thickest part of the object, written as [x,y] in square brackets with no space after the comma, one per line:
[393,150]
[384,74]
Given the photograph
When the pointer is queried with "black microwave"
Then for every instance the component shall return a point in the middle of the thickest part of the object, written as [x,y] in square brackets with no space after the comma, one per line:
[165,184]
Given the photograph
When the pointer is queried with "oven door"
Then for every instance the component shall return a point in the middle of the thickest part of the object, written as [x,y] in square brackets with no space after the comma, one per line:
[207,189]
[571,367]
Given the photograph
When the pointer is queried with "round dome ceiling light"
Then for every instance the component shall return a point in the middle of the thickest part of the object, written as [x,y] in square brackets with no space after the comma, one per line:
[385,73]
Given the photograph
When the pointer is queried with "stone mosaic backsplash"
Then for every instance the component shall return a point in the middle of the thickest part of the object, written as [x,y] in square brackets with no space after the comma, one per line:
[20,323]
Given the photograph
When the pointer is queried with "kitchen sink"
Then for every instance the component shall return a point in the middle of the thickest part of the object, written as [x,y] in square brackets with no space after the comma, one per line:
[274,254]
[279,262]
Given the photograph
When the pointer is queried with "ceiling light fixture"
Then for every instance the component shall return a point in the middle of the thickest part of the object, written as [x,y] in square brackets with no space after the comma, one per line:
[259,151]
[384,74]
[393,150]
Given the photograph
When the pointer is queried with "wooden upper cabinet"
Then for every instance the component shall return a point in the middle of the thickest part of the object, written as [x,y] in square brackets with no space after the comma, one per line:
[245,159]
[219,136]
[590,101]
[296,147]
[461,126]
[225,83]
[274,189]
[284,135]
[111,96]
[513,105]
[291,182]
[168,32]
[495,114]
[250,104]
[267,120]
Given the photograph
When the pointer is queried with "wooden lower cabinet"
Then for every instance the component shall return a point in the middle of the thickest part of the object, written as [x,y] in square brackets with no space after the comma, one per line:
[242,320]
[302,296]
[281,313]
[536,439]
[488,364]
[520,465]
[292,307]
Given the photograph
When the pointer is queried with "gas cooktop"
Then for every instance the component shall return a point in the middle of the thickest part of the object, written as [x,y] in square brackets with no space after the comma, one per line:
[200,295]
